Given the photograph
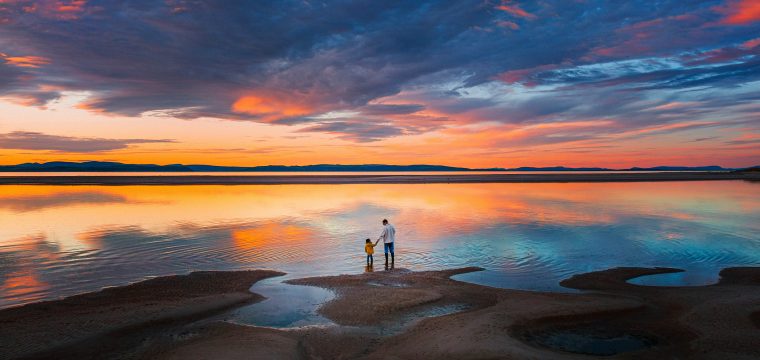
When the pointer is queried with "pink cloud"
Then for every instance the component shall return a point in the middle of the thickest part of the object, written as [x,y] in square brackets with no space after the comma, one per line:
[507,24]
[523,75]
[751,44]
[741,12]
[515,10]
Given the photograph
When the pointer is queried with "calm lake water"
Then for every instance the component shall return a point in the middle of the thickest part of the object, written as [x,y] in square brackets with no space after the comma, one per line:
[62,240]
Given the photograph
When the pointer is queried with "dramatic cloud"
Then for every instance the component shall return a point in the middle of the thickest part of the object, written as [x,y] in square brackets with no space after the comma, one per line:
[22,140]
[742,12]
[389,68]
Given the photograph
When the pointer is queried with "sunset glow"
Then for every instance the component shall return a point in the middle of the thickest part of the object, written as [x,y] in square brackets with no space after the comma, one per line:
[288,226]
[500,83]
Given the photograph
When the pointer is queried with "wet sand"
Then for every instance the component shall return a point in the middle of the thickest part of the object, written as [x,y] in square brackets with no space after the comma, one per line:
[96,322]
[374,179]
[707,322]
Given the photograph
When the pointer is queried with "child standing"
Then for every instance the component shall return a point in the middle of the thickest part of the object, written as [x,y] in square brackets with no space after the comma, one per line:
[369,248]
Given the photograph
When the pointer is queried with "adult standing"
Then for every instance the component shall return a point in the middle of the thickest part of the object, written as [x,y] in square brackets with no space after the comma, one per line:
[389,238]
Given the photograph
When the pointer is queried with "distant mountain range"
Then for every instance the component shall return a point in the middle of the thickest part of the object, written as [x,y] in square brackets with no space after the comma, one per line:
[100,166]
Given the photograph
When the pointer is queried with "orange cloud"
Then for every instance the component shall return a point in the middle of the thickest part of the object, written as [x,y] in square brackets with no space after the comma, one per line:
[56,9]
[21,100]
[742,12]
[70,6]
[25,61]
[515,10]
[268,107]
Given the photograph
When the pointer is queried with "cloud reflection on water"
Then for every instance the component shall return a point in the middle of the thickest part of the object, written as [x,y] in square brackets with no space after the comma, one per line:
[526,235]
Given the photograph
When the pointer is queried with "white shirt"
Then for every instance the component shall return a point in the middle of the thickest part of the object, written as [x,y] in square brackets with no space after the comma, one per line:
[389,234]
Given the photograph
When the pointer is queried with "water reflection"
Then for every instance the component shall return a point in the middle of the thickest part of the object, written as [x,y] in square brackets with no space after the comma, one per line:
[286,306]
[58,240]
[691,278]
[33,202]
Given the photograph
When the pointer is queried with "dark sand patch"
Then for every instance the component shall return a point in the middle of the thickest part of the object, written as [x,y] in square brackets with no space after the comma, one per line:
[80,326]
[712,321]
[222,340]
[755,317]
[612,279]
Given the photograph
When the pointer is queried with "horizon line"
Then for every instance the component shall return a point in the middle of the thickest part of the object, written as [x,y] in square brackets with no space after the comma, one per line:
[494,168]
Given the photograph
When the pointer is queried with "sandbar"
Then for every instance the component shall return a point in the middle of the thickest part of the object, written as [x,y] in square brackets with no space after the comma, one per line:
[717,321]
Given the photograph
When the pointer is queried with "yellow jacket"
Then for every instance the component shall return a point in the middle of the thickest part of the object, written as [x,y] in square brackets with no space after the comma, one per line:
[369,248]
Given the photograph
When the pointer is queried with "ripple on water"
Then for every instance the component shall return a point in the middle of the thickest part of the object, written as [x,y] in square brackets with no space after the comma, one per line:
[555,232]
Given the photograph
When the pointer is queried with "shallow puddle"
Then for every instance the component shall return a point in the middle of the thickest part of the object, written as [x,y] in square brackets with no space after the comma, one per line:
[294,306]
[398,324]
[686,278]
[285,306]
[592,341]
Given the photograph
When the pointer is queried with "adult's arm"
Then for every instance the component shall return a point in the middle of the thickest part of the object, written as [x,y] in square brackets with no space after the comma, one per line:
[382,235]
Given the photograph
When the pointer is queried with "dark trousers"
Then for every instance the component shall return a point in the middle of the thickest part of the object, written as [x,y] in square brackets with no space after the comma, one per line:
[389,249]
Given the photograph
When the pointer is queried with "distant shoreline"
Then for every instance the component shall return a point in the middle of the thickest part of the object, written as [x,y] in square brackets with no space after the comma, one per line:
[110,166]
[373,179]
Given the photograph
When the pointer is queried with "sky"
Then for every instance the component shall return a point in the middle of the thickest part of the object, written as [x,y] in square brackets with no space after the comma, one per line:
[465,83]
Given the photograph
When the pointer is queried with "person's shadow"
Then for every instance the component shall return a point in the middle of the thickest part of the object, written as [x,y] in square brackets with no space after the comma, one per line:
[368,268]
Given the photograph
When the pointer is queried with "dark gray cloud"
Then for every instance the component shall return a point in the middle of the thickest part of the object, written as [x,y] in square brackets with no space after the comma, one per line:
[706,138]
[358,131]
[25,140]
[743,142]
[391,109]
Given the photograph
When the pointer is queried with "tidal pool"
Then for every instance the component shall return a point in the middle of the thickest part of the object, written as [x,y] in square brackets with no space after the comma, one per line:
[285,306]
[593,341]
[686,278]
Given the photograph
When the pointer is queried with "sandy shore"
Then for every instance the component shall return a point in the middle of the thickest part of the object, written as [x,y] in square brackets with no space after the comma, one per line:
[107,320]
[708,322]
[374,179]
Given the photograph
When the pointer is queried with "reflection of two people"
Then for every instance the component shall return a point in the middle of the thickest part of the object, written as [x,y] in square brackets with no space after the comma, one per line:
[389,238]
